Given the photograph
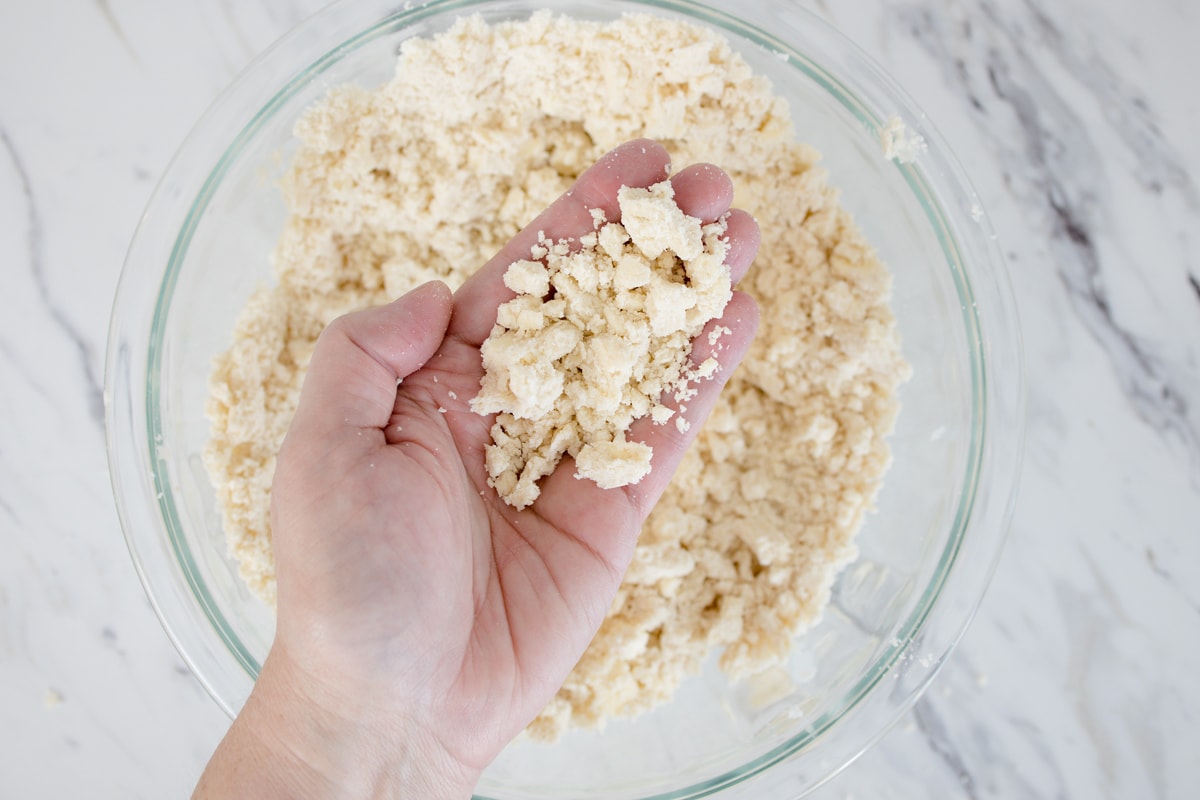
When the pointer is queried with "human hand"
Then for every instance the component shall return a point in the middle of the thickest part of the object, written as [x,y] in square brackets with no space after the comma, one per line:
[422,622]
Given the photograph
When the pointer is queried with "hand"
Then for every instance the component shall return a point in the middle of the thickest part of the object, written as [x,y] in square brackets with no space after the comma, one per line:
[422,622]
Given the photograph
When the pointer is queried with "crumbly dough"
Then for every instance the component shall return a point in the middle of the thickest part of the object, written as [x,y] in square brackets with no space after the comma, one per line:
[427,176]
[595,338]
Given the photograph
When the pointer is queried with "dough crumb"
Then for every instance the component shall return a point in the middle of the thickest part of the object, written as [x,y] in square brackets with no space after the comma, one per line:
[901,144]
[595,339]
[53,698]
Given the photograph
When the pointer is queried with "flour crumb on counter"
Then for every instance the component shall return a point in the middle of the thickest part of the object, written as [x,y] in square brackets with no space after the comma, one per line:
[53,698]
[596,337]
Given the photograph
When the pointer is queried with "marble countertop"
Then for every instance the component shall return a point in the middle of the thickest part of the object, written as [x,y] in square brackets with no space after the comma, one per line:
[1079,121]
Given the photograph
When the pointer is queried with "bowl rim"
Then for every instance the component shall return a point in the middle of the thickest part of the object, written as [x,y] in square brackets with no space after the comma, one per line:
[129,446]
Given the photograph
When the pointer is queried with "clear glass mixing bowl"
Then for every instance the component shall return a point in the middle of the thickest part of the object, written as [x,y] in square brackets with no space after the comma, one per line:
[925,556]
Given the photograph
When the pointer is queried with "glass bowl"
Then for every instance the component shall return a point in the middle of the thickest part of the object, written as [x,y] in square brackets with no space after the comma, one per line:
[926,554]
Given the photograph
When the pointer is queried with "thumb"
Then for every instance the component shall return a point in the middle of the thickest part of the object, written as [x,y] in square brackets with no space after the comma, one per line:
[359,358]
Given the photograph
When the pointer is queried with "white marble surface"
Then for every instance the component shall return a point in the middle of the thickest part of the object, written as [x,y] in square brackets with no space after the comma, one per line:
[1079,121]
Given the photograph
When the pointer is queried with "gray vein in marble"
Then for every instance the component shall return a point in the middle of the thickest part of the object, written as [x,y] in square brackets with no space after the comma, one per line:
[1088,634]
[822,7]
[1105,590]
[1169,579]
[1144,377]
[111,19]
[108,636]
[7,648]
[1125,108]
[1020,773]
[33,223]
[248,50]
[1146,737]
[1063,182]
[934,732]
[28,375]
[1195,284]
[289,14]
[1093,617]
[1001,755]
[8,510]
[1157,568]
[102,724]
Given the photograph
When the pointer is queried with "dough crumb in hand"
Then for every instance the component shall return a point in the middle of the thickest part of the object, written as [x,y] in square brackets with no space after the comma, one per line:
[597,337]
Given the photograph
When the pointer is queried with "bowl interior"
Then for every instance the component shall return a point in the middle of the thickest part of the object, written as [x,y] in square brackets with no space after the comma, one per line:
[219,255]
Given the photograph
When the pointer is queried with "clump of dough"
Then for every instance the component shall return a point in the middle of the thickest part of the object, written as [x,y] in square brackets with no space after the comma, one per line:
[596,337]
[431,174]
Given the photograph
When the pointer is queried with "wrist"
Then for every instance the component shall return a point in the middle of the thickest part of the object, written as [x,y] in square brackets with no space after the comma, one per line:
[294,740]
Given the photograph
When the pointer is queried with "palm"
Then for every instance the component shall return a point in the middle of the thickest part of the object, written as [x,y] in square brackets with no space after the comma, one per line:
[531,586]
[472,611]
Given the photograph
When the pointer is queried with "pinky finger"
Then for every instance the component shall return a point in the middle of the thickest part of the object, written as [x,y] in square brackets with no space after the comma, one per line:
[726,339]
[744,238]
